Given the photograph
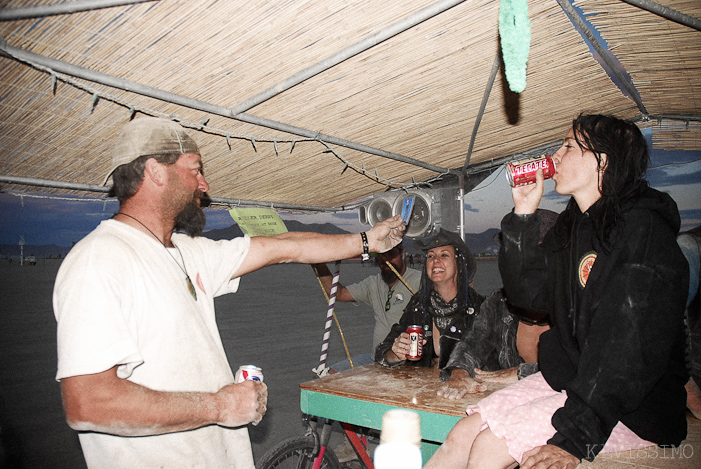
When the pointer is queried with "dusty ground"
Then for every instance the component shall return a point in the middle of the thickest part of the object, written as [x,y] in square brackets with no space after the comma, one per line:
[276,321]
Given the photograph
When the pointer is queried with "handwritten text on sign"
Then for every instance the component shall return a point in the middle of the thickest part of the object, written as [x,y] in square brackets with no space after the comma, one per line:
[258,221]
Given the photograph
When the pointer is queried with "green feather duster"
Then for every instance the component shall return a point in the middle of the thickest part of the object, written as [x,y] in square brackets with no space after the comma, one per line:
[515,34]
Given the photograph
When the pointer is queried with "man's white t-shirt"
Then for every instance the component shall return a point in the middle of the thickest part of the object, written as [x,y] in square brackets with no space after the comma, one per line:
[121,299]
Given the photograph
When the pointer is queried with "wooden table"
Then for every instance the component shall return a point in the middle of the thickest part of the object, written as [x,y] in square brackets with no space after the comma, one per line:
[361,397]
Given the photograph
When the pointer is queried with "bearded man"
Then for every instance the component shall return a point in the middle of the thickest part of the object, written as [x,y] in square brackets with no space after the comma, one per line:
[387,295]
[144,376]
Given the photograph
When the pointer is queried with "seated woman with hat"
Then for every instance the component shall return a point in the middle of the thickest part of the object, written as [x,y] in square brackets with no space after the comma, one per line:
[444,307]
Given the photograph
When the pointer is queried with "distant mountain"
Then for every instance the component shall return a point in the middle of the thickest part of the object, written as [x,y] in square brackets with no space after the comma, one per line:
[325,228]
[479,243]
[231,232]
[292,225]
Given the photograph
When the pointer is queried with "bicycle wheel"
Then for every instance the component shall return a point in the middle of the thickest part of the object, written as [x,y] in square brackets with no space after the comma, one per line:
[296,453]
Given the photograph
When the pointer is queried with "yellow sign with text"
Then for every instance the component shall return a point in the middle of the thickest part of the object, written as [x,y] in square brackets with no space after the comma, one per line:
[258,221]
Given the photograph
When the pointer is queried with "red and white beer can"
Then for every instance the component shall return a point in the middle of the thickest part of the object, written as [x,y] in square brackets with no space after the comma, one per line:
[248,373]
[416,349]
[522,172]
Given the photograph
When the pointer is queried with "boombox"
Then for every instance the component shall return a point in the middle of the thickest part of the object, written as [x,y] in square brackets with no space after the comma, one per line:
[433,209]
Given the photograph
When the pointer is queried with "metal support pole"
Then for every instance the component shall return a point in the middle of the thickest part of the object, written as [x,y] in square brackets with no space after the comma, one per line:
[377,38]
[666,12]
[485,97]
[605,54]
[144,90]
[461,207]
[40,11]
[27,181]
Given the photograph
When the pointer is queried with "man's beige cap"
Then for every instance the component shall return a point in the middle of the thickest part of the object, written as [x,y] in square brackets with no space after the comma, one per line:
[150,136]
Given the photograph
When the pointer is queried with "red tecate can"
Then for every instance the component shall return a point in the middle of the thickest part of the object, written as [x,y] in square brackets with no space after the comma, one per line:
[522,172]
[416,349]
[248,373]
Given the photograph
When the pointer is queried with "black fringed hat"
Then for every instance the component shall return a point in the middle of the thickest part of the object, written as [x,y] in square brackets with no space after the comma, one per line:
[448,238]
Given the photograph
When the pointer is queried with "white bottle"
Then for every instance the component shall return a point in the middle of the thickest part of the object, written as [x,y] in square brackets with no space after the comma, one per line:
[400,441]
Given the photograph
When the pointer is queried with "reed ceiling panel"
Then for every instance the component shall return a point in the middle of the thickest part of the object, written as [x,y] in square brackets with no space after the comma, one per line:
[417,94]
[661,56]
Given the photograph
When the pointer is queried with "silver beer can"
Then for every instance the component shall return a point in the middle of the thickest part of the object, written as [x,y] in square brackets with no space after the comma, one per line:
[248,372]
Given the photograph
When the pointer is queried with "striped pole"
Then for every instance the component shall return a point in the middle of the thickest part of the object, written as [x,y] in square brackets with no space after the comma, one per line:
[335,318]
[321,370]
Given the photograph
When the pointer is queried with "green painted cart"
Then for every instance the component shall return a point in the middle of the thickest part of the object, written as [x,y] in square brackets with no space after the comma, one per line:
[361,397]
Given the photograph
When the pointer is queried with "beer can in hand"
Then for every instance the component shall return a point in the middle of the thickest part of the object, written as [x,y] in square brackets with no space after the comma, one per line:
[416,335]
[248,372]
[522,172]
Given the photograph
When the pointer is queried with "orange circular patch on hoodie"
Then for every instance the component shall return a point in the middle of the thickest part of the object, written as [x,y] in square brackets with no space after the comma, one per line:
[585,266]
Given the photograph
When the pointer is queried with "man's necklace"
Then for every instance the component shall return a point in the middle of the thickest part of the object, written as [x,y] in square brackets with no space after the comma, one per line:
[190,286]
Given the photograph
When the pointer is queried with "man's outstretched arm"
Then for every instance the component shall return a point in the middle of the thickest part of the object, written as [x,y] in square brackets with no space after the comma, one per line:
[314,248]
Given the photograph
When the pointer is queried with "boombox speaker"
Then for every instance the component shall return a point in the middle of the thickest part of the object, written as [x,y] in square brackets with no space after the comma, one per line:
[433,209]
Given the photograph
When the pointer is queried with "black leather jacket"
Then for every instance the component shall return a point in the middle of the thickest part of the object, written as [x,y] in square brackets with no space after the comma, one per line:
[415,315]
[490,344]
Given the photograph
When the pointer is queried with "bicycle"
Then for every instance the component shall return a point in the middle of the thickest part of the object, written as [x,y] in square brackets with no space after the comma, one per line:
[311,451]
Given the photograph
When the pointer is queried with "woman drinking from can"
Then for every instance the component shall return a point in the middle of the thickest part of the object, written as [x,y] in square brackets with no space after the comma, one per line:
[614,281]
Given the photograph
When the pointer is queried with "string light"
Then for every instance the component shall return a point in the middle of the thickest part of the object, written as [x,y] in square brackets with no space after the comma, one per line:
[95,99]
[202,125]
[389,184]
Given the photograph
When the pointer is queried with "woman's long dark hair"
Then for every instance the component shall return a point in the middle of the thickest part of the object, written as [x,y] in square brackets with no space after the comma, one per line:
[624,167]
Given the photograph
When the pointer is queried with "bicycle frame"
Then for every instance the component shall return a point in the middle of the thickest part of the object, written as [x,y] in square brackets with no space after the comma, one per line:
[350,434]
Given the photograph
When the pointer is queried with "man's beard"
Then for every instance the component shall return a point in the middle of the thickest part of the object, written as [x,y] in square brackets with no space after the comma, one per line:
[388,276]
[191,219]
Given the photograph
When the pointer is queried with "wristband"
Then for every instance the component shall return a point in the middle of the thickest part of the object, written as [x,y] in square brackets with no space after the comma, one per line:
[366,247]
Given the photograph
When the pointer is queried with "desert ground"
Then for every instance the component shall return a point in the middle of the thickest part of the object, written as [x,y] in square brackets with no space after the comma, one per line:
[276,321]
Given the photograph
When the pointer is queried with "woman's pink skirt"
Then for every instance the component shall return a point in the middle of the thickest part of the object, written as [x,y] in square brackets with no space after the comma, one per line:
[521,414]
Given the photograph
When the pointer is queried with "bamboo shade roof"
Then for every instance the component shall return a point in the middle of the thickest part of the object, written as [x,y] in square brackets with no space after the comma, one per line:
[416,94]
